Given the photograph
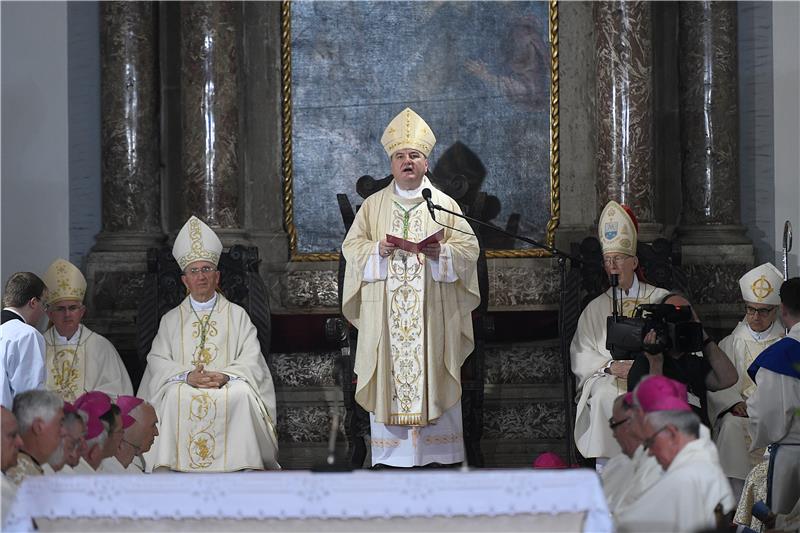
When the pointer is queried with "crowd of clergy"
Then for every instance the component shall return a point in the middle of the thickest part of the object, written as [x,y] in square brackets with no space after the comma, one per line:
[687,446]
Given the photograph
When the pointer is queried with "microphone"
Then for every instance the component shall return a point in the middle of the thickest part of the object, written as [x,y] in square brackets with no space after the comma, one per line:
[426,193]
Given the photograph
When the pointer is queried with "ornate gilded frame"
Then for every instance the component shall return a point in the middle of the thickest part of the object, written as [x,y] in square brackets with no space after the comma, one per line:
[286,108]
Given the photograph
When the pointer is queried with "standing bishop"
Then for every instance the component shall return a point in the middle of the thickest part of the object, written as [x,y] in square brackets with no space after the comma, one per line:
[206,376]
[413,311]
[77,358]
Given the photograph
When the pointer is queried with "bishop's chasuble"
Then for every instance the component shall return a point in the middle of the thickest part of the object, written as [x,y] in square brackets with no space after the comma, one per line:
[85,362]
[742,347]
[210,430]
[414,325]
[596,389]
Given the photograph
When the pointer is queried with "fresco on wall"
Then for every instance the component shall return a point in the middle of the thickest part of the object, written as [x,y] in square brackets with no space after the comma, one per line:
[477,72]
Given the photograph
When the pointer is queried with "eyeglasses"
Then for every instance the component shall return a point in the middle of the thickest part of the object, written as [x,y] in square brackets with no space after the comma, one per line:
[194,271]
[615,259]
[762,313]
[614,424]
[67,308]
[648,442]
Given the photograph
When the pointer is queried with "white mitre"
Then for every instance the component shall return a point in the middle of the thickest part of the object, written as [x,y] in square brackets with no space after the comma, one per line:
[616,230]
[64,282]
[408,130]
[196,242]
[762,285]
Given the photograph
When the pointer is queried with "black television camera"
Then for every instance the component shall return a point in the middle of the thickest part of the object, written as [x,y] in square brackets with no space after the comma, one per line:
[673,325]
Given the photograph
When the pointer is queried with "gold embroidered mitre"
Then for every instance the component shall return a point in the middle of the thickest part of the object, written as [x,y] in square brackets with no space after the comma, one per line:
[408,130]
[64,282]
[616,230]
[196,242]
[762,285]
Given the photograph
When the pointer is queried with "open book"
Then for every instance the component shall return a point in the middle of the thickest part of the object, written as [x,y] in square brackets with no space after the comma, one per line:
[415,247]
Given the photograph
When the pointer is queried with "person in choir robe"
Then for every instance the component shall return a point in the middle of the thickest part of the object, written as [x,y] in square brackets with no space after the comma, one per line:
[206,376]
[686,497]
[139,437]
[631,472]
[11,443]
[774,406]
[709,371]
[413,311]
[21,344]
[600,378]
[727,409]
[104,430]
[77,358]
[39,414]
[74,440]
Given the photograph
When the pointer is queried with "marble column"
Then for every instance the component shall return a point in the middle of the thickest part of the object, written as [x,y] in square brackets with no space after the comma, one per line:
[709,115]
[211,34]
[130,128]
[624,119]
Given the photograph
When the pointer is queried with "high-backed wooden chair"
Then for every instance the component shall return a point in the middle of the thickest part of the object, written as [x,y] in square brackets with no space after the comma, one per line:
[472,372]
[163,289]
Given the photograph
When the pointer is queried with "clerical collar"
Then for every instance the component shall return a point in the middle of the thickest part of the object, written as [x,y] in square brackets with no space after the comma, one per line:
[413,193]
[16,313]
[632,292]
[203,306]
[759,335]
[75,339]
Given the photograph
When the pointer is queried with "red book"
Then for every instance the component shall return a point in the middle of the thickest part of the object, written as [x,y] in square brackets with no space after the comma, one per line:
[415,247]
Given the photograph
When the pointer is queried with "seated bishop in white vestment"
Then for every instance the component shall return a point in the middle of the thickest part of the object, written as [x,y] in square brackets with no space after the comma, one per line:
[206,376]
[77,358]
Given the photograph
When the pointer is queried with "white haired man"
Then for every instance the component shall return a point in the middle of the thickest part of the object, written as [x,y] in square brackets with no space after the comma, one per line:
[727,409]
[11,442]
[39,414]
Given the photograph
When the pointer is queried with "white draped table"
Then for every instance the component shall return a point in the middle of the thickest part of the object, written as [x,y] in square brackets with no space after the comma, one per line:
[394,500]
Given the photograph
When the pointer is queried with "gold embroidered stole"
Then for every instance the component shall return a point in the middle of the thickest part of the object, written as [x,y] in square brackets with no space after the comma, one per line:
[203,413]
[405,290]
[66,368]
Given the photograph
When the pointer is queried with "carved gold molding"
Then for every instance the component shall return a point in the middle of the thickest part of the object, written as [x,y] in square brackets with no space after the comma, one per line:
[286,108]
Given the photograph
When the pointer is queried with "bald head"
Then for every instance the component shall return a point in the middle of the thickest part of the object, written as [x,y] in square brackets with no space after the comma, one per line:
[139,437]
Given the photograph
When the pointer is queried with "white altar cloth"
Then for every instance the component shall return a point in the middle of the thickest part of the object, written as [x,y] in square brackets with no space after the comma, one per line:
[289,496]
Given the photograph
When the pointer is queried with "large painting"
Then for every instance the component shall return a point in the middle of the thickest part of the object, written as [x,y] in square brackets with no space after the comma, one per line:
[484,75]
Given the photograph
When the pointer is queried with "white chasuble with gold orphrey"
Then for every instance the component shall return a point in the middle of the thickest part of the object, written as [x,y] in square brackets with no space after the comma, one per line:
[210,430]
[405,290]
[86,362]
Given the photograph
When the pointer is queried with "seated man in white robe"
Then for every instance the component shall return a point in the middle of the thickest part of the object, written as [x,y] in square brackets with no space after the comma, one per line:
[773,406]
[630,473]
[413,310]
[600,378]
[206,376]
[139,437]
[727,410]
[693,486]
[39,414]
[77,358]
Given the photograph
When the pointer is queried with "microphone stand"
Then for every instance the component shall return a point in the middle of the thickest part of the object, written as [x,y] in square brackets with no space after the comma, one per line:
[562,337]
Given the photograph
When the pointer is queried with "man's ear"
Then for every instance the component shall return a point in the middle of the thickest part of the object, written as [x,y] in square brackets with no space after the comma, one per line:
[37,426]
[635,262]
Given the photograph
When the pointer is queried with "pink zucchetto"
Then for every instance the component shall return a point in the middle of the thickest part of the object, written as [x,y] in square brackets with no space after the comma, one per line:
[549,460]
[127,404]
[659,393]
[94,404]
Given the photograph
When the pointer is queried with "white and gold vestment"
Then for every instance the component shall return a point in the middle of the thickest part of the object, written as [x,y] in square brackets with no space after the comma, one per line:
[210,430]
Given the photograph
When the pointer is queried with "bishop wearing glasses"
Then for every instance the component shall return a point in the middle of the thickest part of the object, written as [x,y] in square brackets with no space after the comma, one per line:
[77,358]
[206,376]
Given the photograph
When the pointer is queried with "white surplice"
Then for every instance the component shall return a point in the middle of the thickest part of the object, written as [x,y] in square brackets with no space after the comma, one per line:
[22,359]
[774,418]
[210,430]
[742,346]
[684,497]
[111,465]
[9,494]
[85,362]
[596,389]
[624,478]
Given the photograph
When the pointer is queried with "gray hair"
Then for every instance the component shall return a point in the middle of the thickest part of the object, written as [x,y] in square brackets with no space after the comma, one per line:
[687,422]
[100,439]
[33,404]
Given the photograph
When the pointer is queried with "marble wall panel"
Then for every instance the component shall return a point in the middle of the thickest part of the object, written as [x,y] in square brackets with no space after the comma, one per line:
[117,291]
[522,286]
[528,420]
[522,364]
[312,288]
[299,369]
[709,112]
[715,284]
[624,120]
[308,423]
